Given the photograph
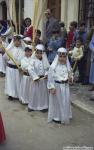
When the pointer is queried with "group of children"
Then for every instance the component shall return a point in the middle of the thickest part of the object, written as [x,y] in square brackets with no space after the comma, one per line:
[35,82]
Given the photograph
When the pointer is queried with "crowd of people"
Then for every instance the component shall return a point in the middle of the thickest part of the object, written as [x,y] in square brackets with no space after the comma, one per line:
[39,74]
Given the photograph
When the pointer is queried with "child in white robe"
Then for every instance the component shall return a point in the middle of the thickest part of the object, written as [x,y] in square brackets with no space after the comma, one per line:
[38,72]
[58,84]
[13,76]
[4,43]
[25,80]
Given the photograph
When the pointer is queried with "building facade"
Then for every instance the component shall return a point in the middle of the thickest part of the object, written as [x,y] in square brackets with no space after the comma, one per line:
[64,10]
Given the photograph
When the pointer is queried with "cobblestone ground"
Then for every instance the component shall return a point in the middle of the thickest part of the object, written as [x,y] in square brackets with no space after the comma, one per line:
[30,131]
[81,93]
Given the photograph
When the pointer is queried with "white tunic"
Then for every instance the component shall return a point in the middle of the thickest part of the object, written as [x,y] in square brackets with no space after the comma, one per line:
[2,64]
[2,61]
[13,76]
[77,53]
[39,92]
[59,104]
[26,82]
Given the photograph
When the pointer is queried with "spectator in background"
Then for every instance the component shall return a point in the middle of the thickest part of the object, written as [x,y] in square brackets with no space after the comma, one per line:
[72,33]
[51,23]
[54,43]
[63,33]
[91,79]
[10,31]
[28,32]
[88,51]
[82,33]
[76,56]
[37,37]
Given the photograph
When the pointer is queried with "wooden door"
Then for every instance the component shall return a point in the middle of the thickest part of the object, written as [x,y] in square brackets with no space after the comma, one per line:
[55,7]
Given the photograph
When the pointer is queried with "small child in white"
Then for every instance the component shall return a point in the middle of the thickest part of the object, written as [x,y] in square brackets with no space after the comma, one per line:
[77,54]
[38,72]
[58,84]
[25,80]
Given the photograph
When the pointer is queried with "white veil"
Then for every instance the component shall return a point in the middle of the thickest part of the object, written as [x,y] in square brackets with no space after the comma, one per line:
[44,59]
[11,45]
[55,62]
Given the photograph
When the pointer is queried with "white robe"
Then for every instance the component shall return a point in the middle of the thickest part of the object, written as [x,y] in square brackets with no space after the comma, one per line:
[2,61]
[39,92]
[59,103]
[13,76]
[26,82]
[2,64]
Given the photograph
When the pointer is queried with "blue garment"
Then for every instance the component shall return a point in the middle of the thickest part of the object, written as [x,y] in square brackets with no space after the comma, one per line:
[91,46]
[91,77]
[3,30]
[52,23]
[82,35]
[54,44]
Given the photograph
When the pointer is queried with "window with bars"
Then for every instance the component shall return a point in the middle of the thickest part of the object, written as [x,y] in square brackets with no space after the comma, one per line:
[86,12]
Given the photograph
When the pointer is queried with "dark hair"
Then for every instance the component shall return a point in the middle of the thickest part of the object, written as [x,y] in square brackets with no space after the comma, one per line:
[74,23]
[17,37]
[27,19]
[79,39]
[27,49]
[62,24]
[82,24]
[38,32]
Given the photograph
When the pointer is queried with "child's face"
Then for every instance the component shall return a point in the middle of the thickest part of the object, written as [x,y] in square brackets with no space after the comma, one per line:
[17,43]
[28,23]
[78,43]
[82,28]
[62,57]
[71,28]
[37,36]
[28,53]
[39,54]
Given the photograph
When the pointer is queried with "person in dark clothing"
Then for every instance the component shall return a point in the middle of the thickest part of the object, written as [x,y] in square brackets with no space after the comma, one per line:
[54,43]
[28,32]
[63,34]
[50,24]
[82,33]
[72,33]
[37,38]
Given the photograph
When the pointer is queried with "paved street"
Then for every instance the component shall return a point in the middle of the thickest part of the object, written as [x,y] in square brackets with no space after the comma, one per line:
[30,131]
